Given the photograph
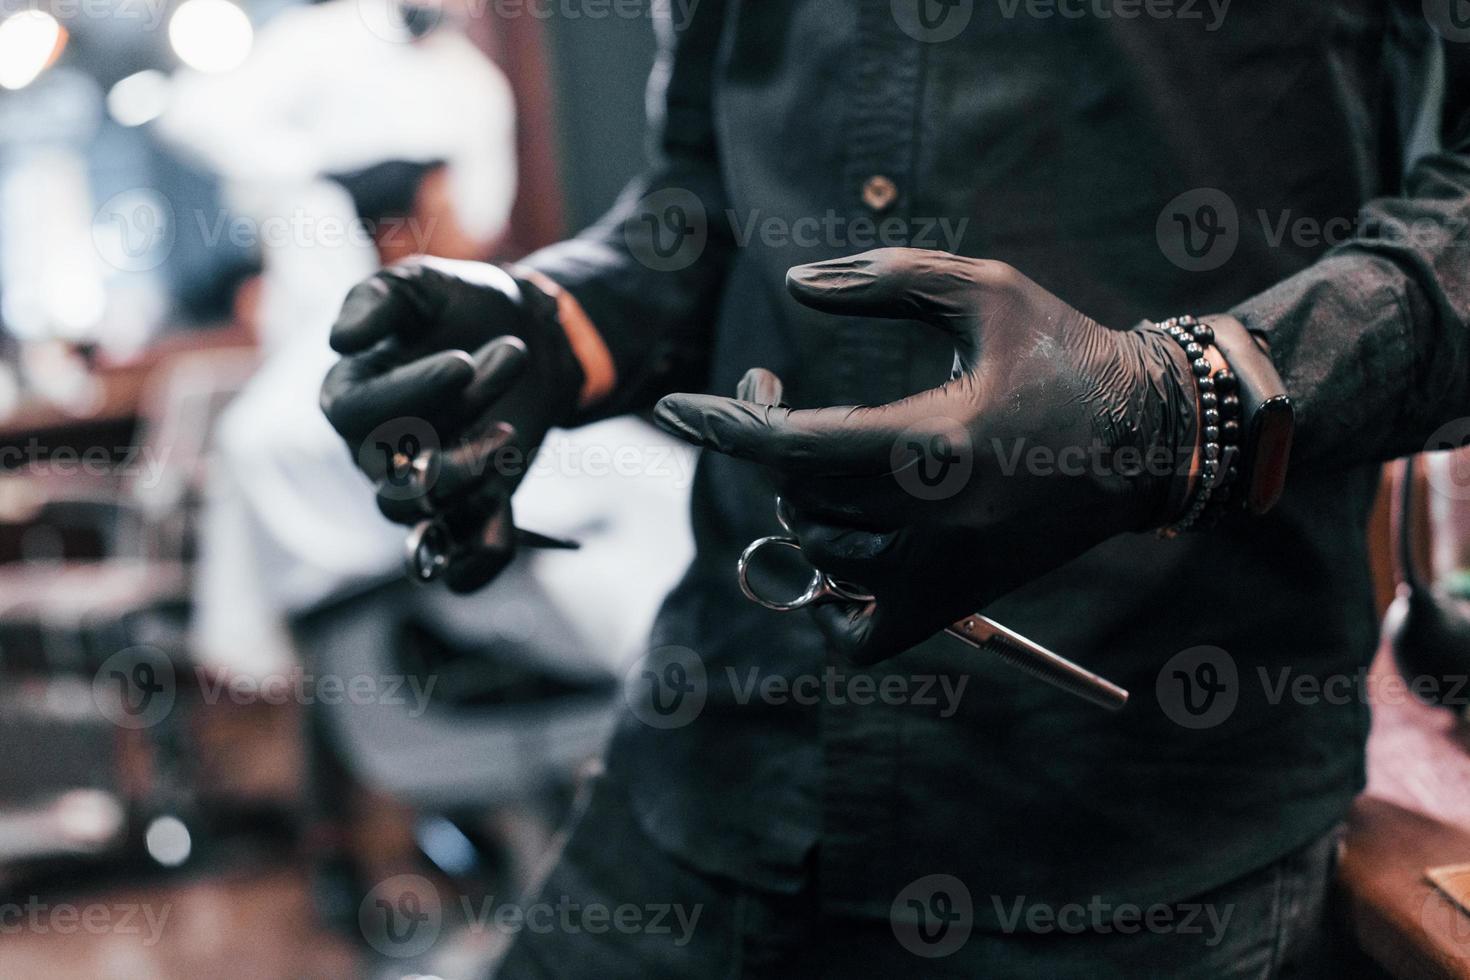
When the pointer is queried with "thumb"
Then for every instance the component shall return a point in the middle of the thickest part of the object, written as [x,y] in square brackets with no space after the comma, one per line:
[866,632]
[936,288]
[375,309]
[760,386]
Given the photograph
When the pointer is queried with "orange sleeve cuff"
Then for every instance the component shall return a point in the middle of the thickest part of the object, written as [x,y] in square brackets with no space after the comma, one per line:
[599,373]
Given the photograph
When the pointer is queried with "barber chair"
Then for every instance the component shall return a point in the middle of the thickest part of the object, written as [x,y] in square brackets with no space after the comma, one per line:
[1426,627]
[97,580]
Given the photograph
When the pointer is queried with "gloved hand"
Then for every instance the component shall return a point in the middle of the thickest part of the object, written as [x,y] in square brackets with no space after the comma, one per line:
[1054,434]
[457,369]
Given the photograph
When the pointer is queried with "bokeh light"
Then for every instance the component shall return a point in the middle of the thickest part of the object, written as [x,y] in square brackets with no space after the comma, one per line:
[210,35]
[29,42]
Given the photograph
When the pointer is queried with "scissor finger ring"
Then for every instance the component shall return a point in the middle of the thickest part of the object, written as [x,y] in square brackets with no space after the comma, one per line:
[820,587]
[742,568]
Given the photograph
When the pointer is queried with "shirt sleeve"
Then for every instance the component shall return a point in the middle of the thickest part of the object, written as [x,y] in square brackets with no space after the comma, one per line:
[649,273]
[1373,340]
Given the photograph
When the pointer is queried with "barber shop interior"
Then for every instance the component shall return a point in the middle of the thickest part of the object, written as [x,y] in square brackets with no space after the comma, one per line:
[641,489]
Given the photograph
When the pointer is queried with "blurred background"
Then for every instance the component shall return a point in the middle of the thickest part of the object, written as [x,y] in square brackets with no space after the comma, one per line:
[232,732]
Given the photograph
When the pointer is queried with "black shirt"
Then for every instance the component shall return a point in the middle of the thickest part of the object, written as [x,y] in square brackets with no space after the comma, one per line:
[1140,161]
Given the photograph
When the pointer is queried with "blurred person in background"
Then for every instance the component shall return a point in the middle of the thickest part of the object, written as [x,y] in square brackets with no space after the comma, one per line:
[340,159]
[345,158]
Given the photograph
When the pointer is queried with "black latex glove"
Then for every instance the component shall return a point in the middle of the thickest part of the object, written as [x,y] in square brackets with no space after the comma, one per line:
[944,501]
[458,369]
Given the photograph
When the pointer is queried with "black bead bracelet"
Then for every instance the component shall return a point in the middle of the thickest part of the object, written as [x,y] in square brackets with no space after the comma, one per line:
[1219,427]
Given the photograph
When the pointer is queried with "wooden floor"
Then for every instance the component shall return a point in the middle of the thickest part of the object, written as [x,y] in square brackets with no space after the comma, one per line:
[245,911]
[243,918]
[255,925]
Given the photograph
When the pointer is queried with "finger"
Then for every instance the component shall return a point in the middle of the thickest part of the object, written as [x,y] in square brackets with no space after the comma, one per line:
[860,557]
[874,503]
[362,391]
[477,569]
[497,366]
[471,464]
[760,386]
[444,478]
[488,545]
[813,440]
[378,308]
[932,287]
[892,283]
[400,507]
[837,441]
[866,632]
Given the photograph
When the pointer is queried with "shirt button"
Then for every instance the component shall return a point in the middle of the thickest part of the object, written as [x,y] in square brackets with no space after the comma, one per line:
[879,192]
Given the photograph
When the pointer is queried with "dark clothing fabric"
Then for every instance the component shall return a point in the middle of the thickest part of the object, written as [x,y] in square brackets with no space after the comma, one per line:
[1138,168]
[677,923]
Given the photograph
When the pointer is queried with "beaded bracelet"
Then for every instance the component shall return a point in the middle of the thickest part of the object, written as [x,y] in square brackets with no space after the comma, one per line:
[1219,427]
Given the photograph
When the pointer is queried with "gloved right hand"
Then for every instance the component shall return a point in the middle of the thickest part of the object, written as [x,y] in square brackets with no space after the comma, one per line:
[1054,434]
[455,370]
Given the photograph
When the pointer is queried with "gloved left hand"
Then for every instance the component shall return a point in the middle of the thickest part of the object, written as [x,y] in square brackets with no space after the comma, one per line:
[1055,434]
[458,369]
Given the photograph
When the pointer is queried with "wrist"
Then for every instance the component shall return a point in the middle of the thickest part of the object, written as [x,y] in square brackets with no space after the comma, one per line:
[1173,414]
[1267,417]
[599,374]
[1244,428]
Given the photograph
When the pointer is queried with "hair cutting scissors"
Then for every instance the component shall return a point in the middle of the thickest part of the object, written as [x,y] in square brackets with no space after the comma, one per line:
[429,547]
[979,632]
[433,543]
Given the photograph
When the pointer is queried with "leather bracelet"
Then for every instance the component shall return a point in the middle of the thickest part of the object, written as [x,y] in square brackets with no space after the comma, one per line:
[1267,417]
[1219,426]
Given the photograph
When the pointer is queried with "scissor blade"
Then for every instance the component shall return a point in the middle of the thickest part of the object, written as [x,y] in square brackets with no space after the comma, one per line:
[984,633]
[427,549]
[535,539]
